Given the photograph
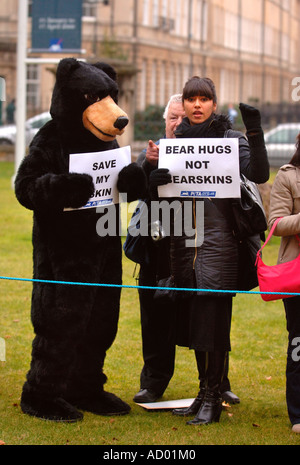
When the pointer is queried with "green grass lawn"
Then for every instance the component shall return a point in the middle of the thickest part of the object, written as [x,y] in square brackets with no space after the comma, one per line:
[257,363]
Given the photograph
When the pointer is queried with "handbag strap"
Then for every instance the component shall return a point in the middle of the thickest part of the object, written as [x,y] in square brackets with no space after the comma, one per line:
[271,234]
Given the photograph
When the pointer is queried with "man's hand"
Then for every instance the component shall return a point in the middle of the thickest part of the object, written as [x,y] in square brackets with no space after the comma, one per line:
[152,153]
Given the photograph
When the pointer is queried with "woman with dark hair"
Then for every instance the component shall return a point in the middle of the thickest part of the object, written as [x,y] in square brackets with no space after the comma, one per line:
[285,204]
[204,318]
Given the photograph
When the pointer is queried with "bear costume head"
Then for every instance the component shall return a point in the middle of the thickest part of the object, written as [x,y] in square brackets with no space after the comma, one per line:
[86,118]
[85,96]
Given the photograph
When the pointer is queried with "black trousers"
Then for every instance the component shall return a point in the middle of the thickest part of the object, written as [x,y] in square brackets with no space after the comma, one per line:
[159,322]
[292,310]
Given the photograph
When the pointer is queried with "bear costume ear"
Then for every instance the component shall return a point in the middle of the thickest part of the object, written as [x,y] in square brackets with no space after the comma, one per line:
[65,67]
[109,70]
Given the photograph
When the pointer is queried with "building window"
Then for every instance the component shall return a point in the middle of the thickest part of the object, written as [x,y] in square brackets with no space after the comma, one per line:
[272,40]
[285,47]
[199,20]
[251,36]
[228,91]
[162,84]
[153,83]
[155,18]
[178,17]
[143,82]
[218,30]
[33,87]
[269,89]
[285,4]
[171,79]
[146,12]
[89,9]
[165,8]
[204,20]
[231,30]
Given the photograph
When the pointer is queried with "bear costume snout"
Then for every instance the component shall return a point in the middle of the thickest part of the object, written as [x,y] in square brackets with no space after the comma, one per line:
[121,122]
[105,119]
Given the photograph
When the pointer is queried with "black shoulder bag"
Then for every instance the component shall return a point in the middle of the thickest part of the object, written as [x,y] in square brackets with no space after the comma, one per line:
[248,210]
[137,246]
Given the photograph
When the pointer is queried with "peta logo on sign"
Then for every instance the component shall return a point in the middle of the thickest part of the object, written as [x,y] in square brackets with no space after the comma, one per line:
[2,89]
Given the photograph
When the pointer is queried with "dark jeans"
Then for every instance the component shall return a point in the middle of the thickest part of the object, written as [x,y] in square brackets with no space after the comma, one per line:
[292,310]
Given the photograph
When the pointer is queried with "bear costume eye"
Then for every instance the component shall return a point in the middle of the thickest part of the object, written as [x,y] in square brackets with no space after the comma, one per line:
[92,98]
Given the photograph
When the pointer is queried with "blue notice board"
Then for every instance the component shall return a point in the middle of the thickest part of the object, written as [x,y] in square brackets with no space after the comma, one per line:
[56,26]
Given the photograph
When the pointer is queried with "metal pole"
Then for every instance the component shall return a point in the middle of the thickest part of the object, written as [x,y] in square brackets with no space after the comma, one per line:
[20,146]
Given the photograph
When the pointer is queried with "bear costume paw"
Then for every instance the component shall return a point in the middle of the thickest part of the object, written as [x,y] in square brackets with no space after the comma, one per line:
[56,409]
[133,182]
[70,190]
[103,403]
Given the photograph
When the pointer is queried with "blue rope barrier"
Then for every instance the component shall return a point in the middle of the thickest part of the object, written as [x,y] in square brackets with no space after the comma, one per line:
[128,286]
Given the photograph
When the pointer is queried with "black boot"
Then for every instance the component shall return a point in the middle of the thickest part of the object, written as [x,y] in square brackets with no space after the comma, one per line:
[40,405]
[201,360]
[193,408]
[211,407]
[210,410]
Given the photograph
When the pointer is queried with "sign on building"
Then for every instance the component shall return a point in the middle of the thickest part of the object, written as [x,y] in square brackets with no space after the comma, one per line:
[56,26]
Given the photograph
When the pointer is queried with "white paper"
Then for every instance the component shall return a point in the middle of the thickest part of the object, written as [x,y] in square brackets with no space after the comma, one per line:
[200,167]
[168,404]
[104,168]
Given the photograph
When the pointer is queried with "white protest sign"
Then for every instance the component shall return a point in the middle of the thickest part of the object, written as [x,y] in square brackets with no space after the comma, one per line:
[104,168]
[200,167]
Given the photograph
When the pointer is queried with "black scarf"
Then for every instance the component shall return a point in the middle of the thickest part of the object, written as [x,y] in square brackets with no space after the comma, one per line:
[214,126]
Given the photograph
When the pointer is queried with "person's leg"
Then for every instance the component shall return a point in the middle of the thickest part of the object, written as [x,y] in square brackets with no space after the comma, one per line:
[86,385]
[59,316]
[292,309]
[201,359]
[211,406]
[227,394]
[158,340]
[210,333]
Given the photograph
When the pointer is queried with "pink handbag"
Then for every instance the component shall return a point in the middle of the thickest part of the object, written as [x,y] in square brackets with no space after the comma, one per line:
[284,277]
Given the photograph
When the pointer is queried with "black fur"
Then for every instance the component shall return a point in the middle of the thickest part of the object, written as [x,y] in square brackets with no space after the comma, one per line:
[74,325]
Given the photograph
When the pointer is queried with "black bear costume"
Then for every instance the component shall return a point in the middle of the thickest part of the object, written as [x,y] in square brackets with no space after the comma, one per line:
[74,325]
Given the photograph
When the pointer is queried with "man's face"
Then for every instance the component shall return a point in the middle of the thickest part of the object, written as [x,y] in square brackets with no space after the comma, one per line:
[174,118]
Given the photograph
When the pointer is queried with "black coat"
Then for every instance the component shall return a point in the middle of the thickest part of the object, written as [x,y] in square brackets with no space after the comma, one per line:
[214,264]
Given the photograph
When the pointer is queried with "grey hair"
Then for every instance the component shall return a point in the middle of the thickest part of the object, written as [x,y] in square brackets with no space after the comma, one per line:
[177,98]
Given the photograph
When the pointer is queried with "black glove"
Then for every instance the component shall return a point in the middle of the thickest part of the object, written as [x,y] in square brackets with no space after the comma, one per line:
[132,181]
[158,177]
[251,117]
[58,191]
